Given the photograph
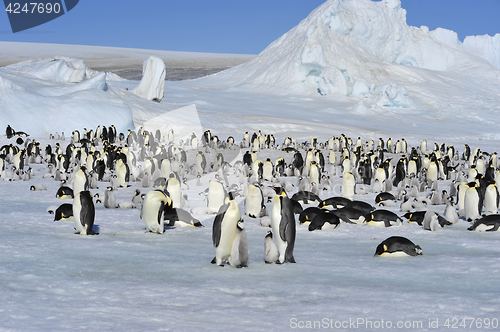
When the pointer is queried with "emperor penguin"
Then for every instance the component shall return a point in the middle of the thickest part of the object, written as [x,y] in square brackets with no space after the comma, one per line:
[216,196]
[473,202]
[267,170]
[489,223]
[461,190]
[254,202]
[450,212]
[433,170]
[239,252]
[314,172]
[283,225]
[153,209]
[174,190]
[348,186]
[225,230]
[201,162]
[84,213]
[80,182]
[122,171]
[109,199]
[270,249]
[64,212]
[491,198]
[395,246]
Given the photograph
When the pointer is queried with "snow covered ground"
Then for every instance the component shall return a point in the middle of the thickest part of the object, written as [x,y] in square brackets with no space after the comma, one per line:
[126,279]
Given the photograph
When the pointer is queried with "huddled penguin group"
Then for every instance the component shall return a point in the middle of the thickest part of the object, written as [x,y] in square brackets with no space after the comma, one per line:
[277,184]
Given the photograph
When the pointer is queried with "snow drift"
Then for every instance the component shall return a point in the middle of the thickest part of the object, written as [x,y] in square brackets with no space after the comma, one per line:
[345,46]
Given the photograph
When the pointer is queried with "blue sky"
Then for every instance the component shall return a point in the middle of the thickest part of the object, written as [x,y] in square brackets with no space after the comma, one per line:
[224,26]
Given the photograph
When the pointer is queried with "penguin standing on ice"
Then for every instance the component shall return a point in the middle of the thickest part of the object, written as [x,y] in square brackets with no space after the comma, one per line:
[473,202]
[254,202]
[283,225]
[491,198]
[239,252]
[84,213]
[153,208]
[270,249]
[122,171]
[109,199]
[225,230]
[348,186]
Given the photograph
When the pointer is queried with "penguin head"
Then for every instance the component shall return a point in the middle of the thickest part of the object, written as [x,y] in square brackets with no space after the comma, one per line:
[381,249]
[269,235]
[279,190]
[240,225]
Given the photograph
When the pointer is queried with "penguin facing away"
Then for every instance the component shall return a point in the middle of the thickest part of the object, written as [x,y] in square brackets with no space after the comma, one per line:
[397,246]
[84,213]
[283,224]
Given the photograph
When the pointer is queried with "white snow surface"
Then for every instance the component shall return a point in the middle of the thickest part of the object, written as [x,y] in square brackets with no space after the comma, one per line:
[400,82]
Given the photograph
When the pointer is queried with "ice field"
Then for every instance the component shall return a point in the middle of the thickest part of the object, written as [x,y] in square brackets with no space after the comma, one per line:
[326,77]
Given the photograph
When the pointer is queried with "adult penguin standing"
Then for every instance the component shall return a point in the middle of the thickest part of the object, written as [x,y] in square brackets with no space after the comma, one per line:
[225,230]
[84,213]
[283,225]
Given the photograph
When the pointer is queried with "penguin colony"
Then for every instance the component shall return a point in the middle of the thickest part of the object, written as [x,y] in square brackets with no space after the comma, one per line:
[300,186]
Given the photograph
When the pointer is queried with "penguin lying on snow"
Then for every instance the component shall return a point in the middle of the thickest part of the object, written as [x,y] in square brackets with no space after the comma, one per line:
[383,218]
[396,246]
[489,223]
[180,217]
[323,221]
[64,212]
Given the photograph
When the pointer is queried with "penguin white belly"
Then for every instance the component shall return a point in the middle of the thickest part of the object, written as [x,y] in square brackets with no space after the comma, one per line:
[376,223]
[471,205]
[490,199]
[174,189]
[77,208]
[267,171]
[314,174]
[380,175]
[228,234]
[150,212]
[432,172]
[348,186]
[394,254]
[253,202]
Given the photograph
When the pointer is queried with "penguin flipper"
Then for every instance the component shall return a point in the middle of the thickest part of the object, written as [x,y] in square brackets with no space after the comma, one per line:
[409,250]
[494,228]
[161,212]
[216,229]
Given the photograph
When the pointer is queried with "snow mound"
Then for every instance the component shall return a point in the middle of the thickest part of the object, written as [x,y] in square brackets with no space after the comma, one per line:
[57,69]
[153,79]
[345,46]
[393,95]
[56,95]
